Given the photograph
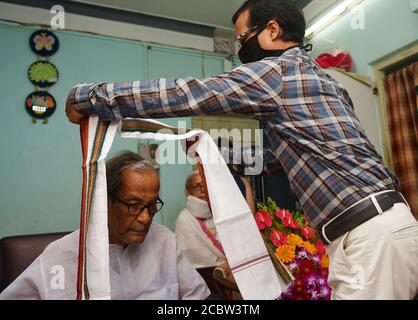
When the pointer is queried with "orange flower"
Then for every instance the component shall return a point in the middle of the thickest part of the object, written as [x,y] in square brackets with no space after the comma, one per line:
[325,261]
[286,253]
[294,240]
[309,247]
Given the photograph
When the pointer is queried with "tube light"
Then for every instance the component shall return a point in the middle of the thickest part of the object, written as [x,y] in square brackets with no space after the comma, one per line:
[341,8]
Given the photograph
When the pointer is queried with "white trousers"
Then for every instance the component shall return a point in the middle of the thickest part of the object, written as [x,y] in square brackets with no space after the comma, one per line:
[377,260]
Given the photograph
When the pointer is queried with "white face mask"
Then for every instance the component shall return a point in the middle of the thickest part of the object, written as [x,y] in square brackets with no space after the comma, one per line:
[198,208]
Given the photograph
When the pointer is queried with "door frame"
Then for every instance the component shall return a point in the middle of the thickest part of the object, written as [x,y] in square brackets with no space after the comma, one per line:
[379,73]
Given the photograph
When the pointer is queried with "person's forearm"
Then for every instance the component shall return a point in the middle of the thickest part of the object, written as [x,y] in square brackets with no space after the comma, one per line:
[149,99]
[231,93]
[249,196]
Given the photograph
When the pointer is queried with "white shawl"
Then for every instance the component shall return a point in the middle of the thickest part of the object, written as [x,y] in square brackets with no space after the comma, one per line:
[198,248]
[245,250]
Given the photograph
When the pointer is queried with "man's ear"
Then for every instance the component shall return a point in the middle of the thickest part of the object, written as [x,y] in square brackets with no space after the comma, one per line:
[274,30]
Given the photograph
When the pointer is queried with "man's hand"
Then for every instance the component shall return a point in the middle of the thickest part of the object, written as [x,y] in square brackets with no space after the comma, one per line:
[227,271]
[73,115]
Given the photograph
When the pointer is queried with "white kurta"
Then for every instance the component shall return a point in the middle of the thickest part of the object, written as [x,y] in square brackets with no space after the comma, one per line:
[197,246]
[155,269]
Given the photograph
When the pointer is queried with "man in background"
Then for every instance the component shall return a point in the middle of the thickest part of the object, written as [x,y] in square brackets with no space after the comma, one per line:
[195,230]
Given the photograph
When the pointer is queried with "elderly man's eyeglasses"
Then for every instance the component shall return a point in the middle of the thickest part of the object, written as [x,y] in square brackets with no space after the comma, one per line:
[241,38]
[197,186]
[137,208]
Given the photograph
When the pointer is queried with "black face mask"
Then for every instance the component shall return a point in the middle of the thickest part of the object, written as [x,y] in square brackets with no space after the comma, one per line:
[251,50]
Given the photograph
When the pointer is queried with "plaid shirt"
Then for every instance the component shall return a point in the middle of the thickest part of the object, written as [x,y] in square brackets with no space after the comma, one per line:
[309,118]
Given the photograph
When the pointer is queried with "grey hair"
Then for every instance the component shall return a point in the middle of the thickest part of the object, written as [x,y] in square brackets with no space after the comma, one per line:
[188,184]
[123,161]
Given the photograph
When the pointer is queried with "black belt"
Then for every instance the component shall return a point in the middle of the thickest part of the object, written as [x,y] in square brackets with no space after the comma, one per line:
[358,214]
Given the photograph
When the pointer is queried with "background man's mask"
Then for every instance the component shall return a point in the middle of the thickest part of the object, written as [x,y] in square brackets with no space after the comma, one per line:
[198,208]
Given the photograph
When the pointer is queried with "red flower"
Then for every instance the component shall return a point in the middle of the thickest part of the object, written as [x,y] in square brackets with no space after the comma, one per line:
[290,222]
[308,233]
[320,247]
[324,272]
[263,220]
[305,268]
[283,214]
[299,290]
[294,224]
[278,238]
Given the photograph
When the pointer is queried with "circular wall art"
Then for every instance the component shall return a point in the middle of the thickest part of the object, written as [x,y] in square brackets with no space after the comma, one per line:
[43,74]
[44,43]
[40,104]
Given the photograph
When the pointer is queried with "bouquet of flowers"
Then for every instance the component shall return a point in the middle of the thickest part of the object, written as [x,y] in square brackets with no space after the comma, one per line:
[297,245]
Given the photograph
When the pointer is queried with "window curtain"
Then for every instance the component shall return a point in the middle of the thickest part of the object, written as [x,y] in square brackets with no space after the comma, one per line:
[402,103]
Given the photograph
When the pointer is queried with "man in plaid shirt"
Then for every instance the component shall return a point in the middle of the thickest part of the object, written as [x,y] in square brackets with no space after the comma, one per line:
[340,180]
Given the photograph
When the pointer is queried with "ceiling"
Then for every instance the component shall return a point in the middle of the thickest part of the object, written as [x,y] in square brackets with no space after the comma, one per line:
[214,13]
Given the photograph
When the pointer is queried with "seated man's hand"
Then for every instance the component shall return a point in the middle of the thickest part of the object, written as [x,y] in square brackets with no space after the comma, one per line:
[230,293]
[227,271]
[73,115]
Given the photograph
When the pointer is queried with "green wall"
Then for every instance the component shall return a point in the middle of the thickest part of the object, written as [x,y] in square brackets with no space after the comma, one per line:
[389,26]
[164,62]
[40,164]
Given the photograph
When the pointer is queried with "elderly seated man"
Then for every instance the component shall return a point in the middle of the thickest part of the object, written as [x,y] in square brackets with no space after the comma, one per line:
[145,260]
[195,229]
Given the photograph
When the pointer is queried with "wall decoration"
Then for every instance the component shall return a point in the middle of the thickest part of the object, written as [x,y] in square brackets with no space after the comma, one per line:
[43,74]
[44,43]
[221,45]
[40,104]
